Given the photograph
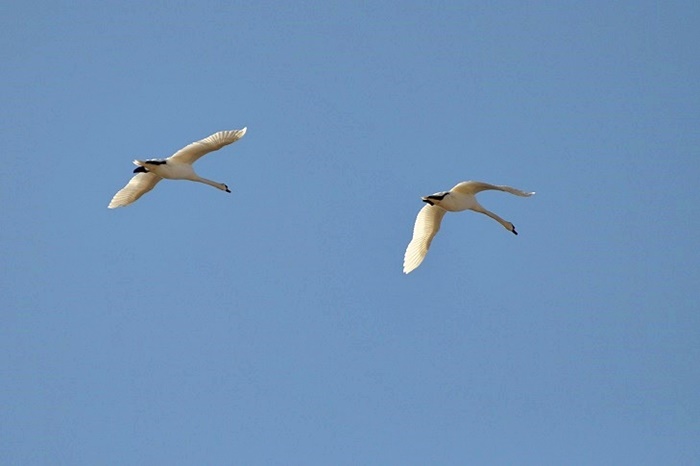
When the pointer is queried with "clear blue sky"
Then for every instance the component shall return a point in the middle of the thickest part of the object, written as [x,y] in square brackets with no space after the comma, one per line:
[273,325]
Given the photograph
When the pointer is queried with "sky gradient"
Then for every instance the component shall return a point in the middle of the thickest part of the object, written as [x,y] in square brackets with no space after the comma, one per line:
[273,325]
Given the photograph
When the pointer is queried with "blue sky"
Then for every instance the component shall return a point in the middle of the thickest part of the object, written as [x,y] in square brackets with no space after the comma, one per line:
[273,325]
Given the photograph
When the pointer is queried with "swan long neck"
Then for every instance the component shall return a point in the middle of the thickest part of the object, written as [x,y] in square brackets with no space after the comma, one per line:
[507,225]
[220,186]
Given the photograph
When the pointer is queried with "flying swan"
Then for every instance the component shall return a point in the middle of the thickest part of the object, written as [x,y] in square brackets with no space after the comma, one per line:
[176,167]
[461,197]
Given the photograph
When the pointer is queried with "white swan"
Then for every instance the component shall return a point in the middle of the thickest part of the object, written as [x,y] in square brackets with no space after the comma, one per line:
[461,197]
[176,167]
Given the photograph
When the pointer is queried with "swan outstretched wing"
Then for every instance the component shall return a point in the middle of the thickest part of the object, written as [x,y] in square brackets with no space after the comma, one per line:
[192,152]
[426,227]
[473,187]
[139,185]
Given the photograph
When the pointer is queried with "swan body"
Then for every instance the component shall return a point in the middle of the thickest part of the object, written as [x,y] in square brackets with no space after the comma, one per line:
[176,167]
[459,198]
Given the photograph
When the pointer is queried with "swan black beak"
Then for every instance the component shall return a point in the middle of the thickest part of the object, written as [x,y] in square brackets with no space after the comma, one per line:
[228,191]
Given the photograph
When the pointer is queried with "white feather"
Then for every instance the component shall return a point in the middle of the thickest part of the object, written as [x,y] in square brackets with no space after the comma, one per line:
[193,152]
[426,227]
[139,185]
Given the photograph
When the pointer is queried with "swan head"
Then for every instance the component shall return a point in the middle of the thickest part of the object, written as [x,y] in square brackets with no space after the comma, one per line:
[225,188]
